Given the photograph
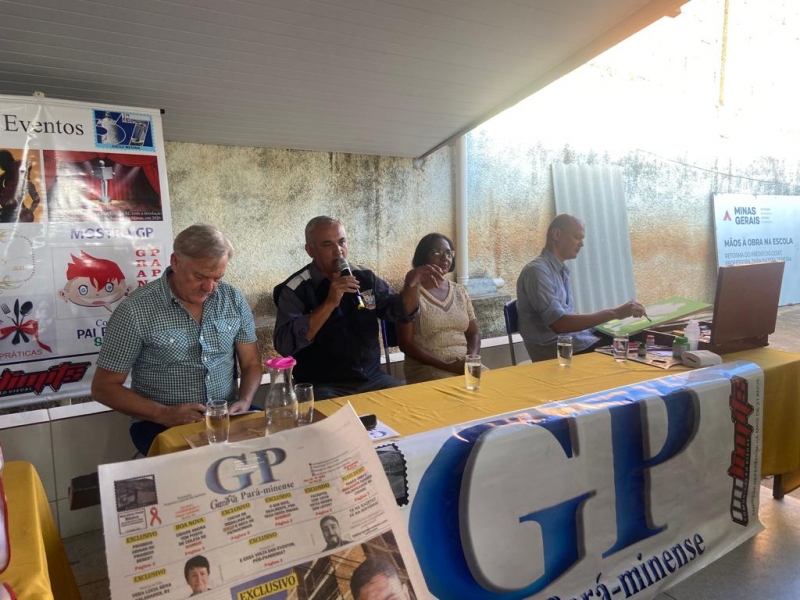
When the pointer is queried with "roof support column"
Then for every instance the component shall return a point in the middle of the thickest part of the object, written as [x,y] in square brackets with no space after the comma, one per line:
[462,213]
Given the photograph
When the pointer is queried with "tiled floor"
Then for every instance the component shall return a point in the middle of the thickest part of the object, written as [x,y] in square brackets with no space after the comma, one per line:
[88,559]
[764,567]
[787,331]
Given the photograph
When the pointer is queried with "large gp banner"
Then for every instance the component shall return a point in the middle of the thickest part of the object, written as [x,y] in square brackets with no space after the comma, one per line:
[621,494]
[85,220]
[752,229]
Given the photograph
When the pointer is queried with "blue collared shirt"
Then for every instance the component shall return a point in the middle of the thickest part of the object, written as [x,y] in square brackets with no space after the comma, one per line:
[172,358]
[544,295]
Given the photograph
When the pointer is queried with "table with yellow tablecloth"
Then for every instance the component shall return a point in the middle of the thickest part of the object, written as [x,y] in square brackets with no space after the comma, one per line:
[39,566]
[425,406]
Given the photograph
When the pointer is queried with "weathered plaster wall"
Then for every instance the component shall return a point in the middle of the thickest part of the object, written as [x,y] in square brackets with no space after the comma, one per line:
[262,199]
[669,209]
[652,106]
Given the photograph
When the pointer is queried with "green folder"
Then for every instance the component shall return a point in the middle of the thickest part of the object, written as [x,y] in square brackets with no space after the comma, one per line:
[663,311]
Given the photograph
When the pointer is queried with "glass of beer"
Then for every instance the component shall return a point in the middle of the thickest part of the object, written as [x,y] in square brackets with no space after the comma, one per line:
[218,421]
[472,371]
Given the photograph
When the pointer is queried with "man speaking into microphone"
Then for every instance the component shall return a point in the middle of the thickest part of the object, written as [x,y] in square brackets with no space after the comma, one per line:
[328,315]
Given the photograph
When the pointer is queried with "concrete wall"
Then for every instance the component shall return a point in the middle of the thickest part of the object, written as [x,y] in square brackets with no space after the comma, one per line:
[262,199]
[670,211]
[657,106]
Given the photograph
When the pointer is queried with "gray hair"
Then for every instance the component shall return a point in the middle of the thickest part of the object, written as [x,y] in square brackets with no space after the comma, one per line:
[320,221]
[202,241]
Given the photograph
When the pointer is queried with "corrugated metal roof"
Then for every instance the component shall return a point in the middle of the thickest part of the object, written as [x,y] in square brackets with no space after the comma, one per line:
[366,76]
[602,275]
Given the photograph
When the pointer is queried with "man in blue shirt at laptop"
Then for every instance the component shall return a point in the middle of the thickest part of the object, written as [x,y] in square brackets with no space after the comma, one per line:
[544,297]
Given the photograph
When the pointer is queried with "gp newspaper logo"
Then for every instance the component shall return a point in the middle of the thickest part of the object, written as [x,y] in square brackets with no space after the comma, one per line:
[13,383]
[740,457]
[461,571]
[743,215]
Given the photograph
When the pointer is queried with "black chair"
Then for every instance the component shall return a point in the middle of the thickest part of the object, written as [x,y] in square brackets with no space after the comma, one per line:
[389,339]
[512,326]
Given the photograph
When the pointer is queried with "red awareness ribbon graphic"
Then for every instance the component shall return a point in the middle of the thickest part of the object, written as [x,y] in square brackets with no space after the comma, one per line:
[29,327]
[154,516]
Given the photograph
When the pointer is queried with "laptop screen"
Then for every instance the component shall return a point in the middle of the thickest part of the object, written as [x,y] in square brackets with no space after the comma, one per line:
[746,303]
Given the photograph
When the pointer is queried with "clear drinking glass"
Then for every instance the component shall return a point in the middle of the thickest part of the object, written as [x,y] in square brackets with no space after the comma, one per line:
[564,346]
[620,347]
[472,371]
[218,421]
[305,403]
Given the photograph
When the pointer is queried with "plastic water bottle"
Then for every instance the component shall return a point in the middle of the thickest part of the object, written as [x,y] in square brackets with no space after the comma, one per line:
[692,333]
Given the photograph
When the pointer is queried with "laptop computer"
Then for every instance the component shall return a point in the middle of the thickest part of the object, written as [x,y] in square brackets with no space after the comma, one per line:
[745,306]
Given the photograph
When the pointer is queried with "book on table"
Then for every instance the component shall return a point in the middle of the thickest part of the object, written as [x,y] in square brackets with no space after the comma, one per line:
[659,313]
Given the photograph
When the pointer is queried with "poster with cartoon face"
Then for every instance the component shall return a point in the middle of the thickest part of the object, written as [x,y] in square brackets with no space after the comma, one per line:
[84,221]
[91,282]
[94,282]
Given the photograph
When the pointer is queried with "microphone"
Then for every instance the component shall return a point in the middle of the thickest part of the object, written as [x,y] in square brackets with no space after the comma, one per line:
[344,267]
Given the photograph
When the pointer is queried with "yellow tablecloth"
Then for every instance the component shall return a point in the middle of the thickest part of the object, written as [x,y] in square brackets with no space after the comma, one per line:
[39,566]
[425,406]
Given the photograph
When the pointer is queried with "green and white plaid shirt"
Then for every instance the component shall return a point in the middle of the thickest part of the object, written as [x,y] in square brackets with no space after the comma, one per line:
[172,358]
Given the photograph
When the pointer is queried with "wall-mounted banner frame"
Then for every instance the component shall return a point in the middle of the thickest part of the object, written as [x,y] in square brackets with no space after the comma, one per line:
[84,220]
[619,494]
[753,229]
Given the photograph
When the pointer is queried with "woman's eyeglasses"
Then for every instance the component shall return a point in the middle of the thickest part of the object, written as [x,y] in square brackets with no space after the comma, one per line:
[445,253]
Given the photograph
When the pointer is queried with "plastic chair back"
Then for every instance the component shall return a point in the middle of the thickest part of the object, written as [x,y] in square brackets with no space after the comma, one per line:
[389,339]
[512,326]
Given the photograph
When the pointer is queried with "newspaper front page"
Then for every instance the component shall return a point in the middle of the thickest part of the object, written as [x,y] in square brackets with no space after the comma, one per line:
[305,514]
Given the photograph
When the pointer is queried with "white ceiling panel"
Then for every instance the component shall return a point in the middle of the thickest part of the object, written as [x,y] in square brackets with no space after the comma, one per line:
[387,77]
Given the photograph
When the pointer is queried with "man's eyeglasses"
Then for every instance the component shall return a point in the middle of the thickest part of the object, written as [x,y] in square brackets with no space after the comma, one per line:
[445,253]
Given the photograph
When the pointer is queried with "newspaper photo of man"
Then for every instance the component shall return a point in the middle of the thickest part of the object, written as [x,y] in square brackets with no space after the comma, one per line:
[331,532]
[377,579]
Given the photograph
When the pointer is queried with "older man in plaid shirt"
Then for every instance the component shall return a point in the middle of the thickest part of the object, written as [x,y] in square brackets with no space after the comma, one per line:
[177,336]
